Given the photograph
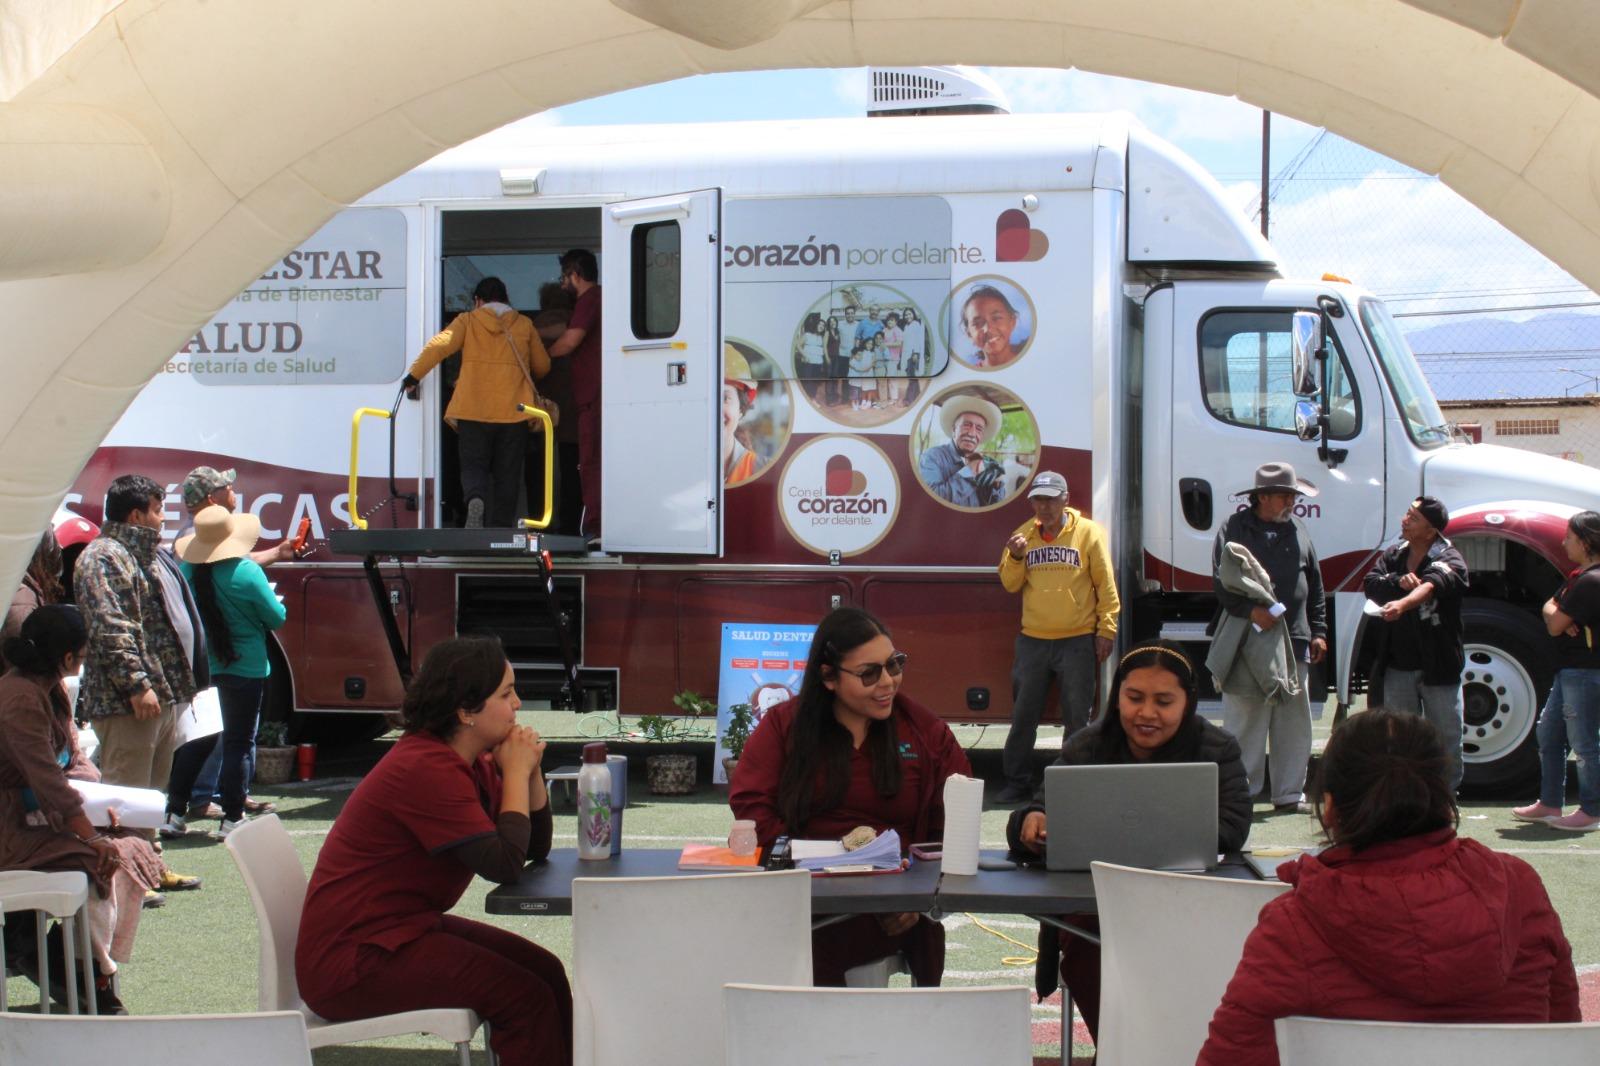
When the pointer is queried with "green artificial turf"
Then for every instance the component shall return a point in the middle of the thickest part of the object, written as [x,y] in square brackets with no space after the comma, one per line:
[198,953]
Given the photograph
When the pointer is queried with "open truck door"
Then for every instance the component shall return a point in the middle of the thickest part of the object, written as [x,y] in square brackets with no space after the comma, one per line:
[661,374]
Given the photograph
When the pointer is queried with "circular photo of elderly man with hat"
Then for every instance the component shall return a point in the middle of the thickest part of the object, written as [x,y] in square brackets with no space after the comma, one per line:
[756,412]
[974,446]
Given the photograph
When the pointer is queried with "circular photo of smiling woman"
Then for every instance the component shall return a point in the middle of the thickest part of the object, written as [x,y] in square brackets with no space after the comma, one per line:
[757,413]
[974,446]
[989,322]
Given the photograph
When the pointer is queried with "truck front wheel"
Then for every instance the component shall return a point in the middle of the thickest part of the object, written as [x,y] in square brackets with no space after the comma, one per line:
[1506,678]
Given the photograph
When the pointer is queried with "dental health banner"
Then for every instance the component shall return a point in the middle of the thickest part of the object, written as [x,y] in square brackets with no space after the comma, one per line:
[761,665]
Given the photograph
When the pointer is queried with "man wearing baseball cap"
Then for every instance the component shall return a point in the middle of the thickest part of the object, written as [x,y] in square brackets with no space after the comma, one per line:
[207,485]
[1419,584]
[1058,560]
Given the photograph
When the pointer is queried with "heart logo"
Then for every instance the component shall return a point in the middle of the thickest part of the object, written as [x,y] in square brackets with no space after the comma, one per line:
[842,479]
[1016,241]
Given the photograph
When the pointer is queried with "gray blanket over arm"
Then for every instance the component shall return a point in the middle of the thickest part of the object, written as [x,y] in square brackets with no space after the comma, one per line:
[1245,661]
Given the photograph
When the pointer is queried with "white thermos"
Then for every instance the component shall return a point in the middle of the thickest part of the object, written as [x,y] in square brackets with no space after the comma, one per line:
[594,804]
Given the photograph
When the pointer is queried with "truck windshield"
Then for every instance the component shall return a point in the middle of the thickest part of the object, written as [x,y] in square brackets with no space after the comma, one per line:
[1424,421]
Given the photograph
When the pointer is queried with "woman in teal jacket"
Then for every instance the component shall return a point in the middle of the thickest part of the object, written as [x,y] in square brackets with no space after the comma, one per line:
[238,607]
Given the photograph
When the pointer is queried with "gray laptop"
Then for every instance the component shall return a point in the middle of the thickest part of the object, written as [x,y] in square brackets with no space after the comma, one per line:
[1160,816]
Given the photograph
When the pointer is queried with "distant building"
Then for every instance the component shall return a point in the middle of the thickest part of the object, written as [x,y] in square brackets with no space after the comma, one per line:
[1568,428]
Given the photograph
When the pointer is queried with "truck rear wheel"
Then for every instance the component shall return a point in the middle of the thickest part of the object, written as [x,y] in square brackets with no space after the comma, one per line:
[1504,683]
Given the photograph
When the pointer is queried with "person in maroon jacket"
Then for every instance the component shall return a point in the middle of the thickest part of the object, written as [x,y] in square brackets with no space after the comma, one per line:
[459,794]
[849,751]
[1399,919]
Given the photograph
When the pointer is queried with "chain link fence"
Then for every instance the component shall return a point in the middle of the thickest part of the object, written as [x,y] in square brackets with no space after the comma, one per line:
[1509,341]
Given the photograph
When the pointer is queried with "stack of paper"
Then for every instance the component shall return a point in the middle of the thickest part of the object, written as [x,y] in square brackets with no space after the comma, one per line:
[826,855]
[137,808]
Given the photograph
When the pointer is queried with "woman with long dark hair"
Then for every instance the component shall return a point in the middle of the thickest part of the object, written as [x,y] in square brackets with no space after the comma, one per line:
[1570,719]
[1152,718]
[851,750]
[460,794]
[238,609]
[1399,919]
[42,820]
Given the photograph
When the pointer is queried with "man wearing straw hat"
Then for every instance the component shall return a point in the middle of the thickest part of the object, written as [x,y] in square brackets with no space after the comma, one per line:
[958,472]
[1269,531]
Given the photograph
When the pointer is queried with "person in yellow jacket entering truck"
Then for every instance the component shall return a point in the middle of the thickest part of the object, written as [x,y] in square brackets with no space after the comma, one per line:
[501,358]
[1059,562]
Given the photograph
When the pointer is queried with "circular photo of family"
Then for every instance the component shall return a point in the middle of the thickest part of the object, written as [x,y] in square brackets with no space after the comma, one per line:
[975,446]
[862,354]
[757,413]
[989,322]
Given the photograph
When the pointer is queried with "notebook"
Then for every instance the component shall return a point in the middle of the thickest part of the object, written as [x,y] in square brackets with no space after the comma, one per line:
[1160,816]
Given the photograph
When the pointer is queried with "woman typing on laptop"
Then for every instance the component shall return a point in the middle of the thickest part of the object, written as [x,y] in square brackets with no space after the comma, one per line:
[851,751]
[1154,695]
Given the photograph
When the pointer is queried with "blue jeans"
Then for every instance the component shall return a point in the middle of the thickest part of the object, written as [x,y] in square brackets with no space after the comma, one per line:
[1571,721]
[205,785]
[241,709]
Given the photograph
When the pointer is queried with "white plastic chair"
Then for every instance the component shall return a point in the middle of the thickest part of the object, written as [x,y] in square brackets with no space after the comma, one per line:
[1335,1042]
[650,956]
[769,1026]
[270,1039]
[1172,939]
[277,882]
[62,894]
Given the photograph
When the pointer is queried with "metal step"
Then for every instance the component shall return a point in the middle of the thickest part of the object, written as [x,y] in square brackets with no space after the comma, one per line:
[1185,632]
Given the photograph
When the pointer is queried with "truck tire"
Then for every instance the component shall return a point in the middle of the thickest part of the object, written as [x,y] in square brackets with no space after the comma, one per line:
[1505,681]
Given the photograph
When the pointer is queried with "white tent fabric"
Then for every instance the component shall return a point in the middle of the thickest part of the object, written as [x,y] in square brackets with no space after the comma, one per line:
[209,135]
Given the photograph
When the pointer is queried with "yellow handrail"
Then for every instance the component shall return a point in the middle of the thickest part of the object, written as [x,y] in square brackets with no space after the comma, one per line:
[543,417]
[356,521]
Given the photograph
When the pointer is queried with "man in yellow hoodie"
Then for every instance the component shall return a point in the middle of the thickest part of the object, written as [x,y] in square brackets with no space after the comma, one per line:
[1058,560]
[501,357]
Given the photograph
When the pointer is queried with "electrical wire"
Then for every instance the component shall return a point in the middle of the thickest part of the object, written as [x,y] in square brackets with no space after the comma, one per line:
[1010,960]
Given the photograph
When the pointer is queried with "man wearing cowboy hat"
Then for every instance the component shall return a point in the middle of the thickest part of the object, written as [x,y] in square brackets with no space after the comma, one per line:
[1419,584]
[958,472]
[1269,531]
[1058,560]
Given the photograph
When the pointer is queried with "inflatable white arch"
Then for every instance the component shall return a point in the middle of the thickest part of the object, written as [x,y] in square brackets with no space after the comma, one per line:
[155,153]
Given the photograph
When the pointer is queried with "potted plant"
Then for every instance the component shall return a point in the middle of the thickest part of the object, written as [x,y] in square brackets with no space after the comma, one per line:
[673,774]
[741,719]
[274,753]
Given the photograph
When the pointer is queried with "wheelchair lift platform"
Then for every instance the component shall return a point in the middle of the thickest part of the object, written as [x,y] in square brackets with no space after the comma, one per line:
[373,545]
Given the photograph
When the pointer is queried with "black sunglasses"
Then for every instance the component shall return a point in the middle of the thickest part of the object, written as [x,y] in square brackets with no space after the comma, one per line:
[872,672]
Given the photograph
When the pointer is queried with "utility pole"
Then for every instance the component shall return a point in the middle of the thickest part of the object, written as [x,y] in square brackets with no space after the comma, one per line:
[1266,165]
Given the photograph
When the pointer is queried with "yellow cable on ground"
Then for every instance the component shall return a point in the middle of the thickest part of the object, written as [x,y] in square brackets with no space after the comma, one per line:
[1011,960]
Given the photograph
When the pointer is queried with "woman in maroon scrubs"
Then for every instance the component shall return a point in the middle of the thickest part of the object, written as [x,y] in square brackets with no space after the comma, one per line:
[460,794]
[850,751]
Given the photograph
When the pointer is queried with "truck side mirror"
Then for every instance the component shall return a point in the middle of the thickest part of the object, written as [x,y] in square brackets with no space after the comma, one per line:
[1305,338]
[1307,420]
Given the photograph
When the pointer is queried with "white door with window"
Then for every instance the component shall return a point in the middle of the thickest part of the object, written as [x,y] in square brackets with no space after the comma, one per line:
[1233,409]
[661,374]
